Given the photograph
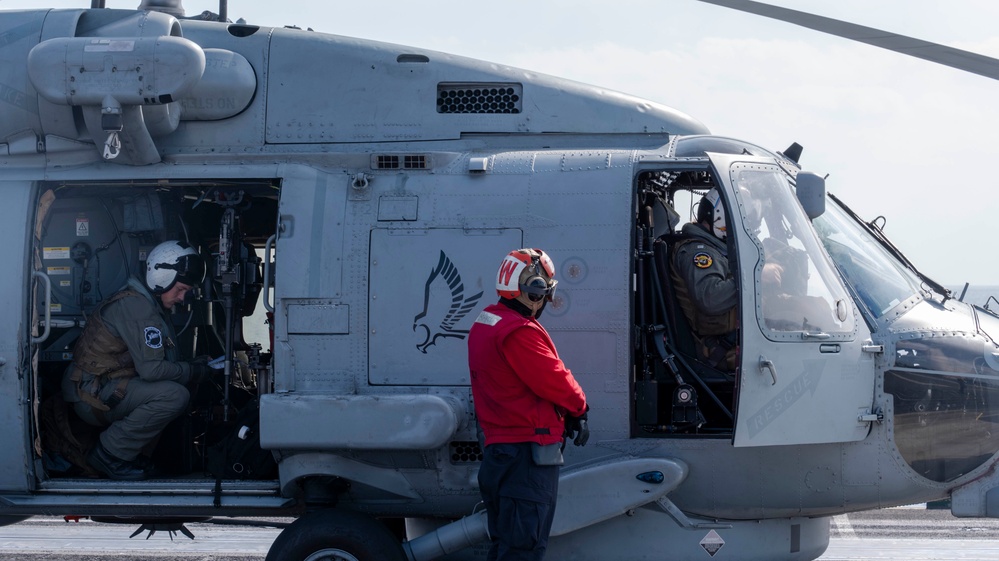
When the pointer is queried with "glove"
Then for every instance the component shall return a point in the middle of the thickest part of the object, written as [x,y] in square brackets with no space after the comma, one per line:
[577,428]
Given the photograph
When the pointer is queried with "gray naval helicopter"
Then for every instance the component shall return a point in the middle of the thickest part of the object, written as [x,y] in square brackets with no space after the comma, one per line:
[353,235]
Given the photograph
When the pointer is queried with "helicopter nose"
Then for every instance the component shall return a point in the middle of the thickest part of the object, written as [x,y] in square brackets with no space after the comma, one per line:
[946,401]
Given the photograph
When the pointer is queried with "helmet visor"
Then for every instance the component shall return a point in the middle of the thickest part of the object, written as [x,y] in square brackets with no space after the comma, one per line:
[190,269]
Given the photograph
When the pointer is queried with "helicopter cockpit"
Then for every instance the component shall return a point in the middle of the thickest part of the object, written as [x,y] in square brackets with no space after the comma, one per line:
[790,294]
[822,289]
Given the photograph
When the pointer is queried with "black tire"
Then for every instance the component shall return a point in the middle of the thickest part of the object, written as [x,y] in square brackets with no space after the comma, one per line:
[336,535]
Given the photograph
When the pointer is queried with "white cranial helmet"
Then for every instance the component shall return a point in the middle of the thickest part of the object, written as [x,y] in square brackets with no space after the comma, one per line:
[172,262]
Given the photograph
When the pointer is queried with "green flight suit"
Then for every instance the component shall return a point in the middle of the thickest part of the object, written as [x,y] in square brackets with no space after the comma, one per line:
[153,396]
[707,293]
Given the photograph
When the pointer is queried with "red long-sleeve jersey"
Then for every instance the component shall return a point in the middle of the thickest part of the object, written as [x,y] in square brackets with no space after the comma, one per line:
[520,386]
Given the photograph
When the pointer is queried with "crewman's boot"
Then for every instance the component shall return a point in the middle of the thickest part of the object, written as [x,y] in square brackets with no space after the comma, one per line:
[145,463]
[115,468]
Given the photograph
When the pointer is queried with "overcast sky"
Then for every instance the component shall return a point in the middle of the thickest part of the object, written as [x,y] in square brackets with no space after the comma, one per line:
[899,137]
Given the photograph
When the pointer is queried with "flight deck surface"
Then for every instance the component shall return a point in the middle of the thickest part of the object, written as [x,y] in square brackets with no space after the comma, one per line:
[901,534]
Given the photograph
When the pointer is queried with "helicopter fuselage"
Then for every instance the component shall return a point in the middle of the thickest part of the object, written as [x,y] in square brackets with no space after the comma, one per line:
[364,193]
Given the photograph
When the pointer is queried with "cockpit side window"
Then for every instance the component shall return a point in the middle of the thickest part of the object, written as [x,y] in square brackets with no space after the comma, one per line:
[798,294]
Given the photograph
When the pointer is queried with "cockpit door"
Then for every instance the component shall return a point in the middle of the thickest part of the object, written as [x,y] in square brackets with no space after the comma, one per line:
[803,377]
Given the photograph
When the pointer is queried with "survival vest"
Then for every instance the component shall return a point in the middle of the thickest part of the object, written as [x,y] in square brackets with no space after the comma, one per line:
[103,356]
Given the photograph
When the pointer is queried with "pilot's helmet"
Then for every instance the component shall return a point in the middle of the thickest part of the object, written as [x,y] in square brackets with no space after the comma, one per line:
[527,275]
[711,211]
[172,262]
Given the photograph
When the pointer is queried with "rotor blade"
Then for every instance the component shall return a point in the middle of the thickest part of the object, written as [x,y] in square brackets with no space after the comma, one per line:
[933,52]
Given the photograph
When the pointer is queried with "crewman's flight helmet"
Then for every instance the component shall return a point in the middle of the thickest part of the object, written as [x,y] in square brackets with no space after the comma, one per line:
[711,211]
[527,275]
[172,262]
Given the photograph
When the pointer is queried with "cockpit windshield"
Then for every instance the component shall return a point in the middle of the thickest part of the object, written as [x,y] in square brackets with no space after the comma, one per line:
[878,281]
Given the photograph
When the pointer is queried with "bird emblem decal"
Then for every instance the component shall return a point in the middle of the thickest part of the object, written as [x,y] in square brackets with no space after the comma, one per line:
[445,272]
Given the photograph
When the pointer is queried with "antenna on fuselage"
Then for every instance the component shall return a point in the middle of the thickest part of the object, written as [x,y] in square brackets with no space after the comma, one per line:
[793,152]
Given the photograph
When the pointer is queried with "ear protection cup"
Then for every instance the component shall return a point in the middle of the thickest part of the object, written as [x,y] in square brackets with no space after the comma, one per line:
[537,282]
[537,287]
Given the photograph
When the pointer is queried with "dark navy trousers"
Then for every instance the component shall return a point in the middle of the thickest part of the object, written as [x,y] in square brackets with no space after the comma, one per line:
[520,502]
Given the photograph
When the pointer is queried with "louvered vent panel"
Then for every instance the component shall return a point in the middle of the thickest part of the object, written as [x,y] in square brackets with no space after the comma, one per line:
[400,161]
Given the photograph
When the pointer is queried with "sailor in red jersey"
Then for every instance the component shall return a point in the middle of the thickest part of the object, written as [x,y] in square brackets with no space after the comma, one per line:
[526,402]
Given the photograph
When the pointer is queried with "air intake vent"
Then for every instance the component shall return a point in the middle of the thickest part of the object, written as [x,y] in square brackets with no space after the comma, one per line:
[465,452]
[481,97]
[400,161]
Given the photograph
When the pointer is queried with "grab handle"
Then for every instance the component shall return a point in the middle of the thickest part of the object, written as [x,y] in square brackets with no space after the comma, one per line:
[48,307]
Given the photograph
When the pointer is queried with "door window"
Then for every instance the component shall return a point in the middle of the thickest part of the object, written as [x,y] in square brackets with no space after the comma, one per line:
[798,294]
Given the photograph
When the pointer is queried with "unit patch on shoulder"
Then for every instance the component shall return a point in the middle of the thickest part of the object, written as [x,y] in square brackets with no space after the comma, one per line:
[702,260]
[154,339]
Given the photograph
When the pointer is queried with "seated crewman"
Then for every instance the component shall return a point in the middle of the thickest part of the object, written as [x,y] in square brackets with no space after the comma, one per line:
[705,289]
[126,374]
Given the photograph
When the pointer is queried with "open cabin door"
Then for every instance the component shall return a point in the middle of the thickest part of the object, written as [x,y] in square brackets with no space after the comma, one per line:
[15,361]
[804,377]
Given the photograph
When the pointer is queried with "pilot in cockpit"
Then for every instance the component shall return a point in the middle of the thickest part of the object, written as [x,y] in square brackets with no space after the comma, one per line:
[706,290]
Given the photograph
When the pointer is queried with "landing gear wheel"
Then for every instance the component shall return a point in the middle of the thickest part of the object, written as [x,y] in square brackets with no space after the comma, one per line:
[336,535]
